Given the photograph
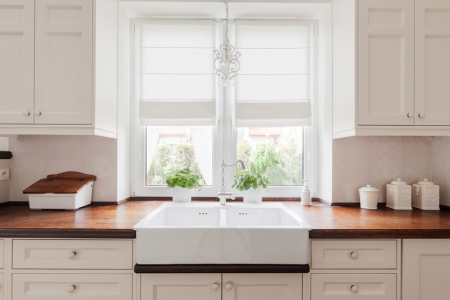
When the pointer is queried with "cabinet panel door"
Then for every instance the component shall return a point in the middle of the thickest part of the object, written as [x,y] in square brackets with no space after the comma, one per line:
[261,286]
[426,269]
[432,62]
[385,62]
[16,61]
[354,286]
[72,286]
[180,286]
[64,62]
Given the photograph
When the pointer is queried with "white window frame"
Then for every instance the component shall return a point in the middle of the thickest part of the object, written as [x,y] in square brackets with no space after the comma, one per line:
[224,127]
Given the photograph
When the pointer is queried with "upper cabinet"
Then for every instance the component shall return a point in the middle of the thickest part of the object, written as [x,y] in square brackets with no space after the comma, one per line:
[60,74]
[391,67]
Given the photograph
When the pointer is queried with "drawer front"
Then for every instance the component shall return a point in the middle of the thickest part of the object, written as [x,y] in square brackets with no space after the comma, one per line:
[354,254]
[1,254]
[72,286]
[72,254]
[353,286]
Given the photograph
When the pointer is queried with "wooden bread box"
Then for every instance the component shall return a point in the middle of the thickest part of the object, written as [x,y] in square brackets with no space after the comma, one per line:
[68,191]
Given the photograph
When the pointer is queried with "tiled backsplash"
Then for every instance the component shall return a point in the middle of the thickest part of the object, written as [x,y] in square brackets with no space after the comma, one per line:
[358,161]
[35,157]
[4,185]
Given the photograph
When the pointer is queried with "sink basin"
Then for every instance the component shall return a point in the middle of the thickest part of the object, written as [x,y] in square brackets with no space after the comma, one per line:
[208,233]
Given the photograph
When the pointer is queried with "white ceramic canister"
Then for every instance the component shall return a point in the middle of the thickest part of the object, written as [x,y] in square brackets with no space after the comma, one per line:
[181,194]
[398,195]
[425,195]
[368,197]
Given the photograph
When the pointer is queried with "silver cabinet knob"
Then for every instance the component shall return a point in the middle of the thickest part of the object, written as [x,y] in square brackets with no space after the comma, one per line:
[354,255]
[37,113]
[25,113]
[71,288]
[228,286]
[410,115]
[71,254]
[422,115]
[215,287]
[354,288]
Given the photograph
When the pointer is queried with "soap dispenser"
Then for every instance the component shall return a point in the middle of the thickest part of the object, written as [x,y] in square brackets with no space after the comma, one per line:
[305,193]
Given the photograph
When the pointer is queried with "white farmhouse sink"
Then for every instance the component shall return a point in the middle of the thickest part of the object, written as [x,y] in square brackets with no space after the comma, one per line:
[208,233]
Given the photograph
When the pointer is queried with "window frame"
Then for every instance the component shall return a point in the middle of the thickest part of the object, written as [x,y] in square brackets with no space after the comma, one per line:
[224,132]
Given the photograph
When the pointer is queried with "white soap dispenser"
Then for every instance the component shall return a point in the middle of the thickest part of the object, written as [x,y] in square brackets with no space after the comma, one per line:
[305,193]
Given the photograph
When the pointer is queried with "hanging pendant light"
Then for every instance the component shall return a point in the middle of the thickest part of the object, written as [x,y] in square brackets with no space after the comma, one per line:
[226,60]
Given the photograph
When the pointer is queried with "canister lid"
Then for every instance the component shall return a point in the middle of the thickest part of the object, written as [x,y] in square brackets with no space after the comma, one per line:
[425,182]
[398,182]
[368,188]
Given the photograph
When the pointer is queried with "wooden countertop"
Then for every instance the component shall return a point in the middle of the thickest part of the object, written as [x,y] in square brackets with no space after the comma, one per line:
[117,221]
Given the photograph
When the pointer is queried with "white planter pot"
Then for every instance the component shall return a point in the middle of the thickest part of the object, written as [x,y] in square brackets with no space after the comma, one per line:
[181,194]
[253,195]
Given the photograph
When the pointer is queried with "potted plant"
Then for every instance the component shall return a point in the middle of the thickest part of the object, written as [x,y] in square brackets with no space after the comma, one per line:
[251,185]
[182,182]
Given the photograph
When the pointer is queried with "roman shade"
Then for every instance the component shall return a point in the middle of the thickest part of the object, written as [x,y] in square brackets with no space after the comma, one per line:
[177,79]
[272,88]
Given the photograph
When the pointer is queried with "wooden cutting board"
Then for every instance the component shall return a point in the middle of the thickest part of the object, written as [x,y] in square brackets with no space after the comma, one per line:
[62,183]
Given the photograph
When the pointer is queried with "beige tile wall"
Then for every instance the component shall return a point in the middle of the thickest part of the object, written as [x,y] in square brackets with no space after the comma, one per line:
[441,167]
[4,185]
[35,157]
[358,161]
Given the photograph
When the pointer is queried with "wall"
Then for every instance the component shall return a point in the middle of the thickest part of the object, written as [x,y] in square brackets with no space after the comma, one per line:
[440,153]
[35,157]
[4,164]
[358,161]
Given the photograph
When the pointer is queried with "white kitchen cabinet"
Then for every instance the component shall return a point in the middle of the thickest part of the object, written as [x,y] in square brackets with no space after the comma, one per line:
[261,286]
[227,286]
[72,286]
[16,61]
[426,269]
[61,67]
[390,64]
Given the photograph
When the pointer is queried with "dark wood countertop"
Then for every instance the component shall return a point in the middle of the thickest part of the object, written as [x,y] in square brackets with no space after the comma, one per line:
[117,221]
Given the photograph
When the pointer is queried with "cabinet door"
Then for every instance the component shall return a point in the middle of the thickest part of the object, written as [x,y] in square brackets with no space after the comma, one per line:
[16,61]
[385,62]
[426,269]
[261,286]
[432,62]
[180,286]
[72,286]
[64,62]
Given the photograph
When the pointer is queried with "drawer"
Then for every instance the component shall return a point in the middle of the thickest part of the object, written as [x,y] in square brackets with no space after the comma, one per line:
[365,286]
[72,254]
[1,255]
[72,286]
[354,254]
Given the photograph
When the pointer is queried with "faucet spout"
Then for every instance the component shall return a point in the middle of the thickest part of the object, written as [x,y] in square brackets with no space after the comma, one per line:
[223,195]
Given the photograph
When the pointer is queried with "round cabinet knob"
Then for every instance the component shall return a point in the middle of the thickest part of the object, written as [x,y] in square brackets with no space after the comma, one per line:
[215,287]
[71,254]
[354,288]
[422,115]
[409,115]
[71,288]
[37,113]
[25,113]
[228,286]
[354,255]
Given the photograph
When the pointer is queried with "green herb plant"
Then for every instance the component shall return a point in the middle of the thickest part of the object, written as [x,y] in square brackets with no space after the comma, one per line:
[244,181]
[184,178]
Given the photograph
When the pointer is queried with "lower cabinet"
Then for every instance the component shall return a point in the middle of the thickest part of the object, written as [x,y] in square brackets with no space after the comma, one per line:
[227,286]
[353,286]
[426,269]
[72,286]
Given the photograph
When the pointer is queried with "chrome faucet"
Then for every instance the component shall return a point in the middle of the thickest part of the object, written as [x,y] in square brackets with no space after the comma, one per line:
[223,196]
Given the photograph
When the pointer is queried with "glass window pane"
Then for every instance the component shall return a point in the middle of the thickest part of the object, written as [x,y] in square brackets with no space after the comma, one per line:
[174,148]
[276,153]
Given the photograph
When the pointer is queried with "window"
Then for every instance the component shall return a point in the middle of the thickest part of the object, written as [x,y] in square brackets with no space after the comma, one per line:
[185,119]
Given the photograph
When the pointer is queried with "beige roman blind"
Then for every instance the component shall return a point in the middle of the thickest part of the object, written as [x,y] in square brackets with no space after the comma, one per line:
[272,88]
[177,79]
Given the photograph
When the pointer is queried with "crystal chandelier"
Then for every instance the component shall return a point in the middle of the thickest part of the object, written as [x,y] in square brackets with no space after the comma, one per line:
[226,60]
